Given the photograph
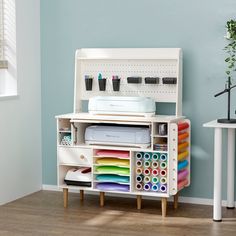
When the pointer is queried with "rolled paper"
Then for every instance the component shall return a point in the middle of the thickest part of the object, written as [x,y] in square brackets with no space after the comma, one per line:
[163,173]
[182,155]
[146,179]
[139,155]
[182,165]
[182,174]
[155,172]
[163,165]
[163,157]
[182,183]
[147,186]
[155,180]
[147,171]
[163,188]
[139,171]
[155,164]
[183,126]
[183,136]
[183,145]
[155,156]
[147,164]
[154,187]
[139,163]
[163,180]
[147,156]
[139,186]
[139,178]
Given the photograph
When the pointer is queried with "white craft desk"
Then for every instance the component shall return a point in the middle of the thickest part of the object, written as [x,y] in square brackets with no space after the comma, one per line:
[217,214]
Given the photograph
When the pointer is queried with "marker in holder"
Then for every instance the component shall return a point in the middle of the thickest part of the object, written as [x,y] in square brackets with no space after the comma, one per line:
[163,173]
[147,186]
[163,180]
[163,188]
[102,82]
[139,186]
[139,171]
[147,171]
[155,180]
[88,82]
[139,163]
[116,83]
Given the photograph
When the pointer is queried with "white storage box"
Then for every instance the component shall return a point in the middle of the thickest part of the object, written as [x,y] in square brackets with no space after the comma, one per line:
[118,135]
[121,105]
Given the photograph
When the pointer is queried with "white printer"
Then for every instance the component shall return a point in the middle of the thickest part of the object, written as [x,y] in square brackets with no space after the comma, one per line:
[118,105]
[118,135]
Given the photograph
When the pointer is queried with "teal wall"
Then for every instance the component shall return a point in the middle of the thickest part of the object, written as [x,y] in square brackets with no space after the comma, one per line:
[195,26]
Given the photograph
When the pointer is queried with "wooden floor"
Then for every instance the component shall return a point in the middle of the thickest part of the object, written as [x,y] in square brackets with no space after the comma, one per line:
[42,213]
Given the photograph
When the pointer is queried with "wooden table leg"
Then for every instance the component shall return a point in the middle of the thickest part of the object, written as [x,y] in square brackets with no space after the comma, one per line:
[65,197]
[139,202]
[163,206]
[102,198]
[176,197]
[81,195]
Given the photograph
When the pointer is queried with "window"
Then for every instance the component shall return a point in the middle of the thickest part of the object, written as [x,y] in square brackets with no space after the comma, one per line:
[3,61]
[8,82]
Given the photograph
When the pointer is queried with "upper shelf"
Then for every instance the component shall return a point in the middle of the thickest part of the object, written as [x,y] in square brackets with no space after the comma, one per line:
[130,62]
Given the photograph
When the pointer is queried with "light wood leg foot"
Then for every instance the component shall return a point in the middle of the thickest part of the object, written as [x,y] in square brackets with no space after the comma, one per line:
[102,198]
[163,206]
[81,195]
[176,197]
[139,202]
[65,197]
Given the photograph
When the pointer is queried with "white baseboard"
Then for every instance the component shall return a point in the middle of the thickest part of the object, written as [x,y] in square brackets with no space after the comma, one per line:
[192,200]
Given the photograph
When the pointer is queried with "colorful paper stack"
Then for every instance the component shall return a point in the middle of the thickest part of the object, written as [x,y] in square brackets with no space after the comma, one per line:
[151,172]
[183,155]
[112,170]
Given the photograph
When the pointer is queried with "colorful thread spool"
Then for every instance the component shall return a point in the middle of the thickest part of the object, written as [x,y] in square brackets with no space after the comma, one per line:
[182,174]
[147,171]
[182,165]
[147,186]
[155,164]
[183,136]
[139,186]
[139,155]
[182,155]
[163,180]
[163,157]
[139,163]
[163,188]
[163,165]
[147,164]
[183,126]
[155,156]
[139,171]
[155,180]
[146,179]
[183,145]
[139,178]
[155,188]
[182,183]
[147,156]
[155,172]
[163,173]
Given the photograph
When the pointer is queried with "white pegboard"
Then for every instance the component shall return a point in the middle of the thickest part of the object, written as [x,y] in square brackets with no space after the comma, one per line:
[116,62]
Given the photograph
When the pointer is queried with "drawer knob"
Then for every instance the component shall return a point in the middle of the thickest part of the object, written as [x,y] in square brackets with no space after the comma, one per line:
[82,156]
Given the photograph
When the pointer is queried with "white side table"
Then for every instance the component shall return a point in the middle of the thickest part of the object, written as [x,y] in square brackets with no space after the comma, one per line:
[217,214]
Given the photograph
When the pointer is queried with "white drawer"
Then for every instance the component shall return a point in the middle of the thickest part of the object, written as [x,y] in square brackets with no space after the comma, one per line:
[75,156]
